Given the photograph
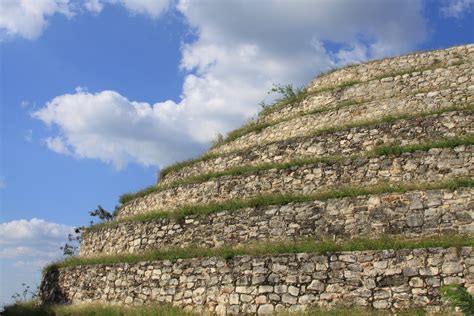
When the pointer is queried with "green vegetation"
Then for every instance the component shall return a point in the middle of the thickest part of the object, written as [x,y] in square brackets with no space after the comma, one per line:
[387,119]
[126,197]
[394,150]
[392,119]
[258,126]
[321,247]
[31,309]
[280,199]
[288,95]
[457,296]
[356,311]
[328,160]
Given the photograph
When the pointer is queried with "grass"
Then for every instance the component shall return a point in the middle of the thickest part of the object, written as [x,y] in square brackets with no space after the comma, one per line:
[258,126]
[387,119]
[281,199]
[458,297]
[95,309]
[31,309]
[126,197]
[328,160]
[392,119]
[356,311]
[318,247]
[393,150]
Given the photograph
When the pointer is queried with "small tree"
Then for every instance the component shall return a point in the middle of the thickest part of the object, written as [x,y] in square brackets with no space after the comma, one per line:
[102,214]
[218,140]
[71,247]
[25,292]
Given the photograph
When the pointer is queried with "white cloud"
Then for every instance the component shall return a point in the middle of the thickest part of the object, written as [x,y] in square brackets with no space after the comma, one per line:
[456,8]
[242,48]
[26,246]
[3,183]
[94,6]
[28,18]
[34,232]
[153,8]
[109,127]
[29,136]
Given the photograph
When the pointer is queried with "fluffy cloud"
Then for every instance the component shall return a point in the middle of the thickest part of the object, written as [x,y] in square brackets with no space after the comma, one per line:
[94,6]
[26,246]
[241,49]
[35,234]
[456,8]
[153,8]
[28,18]
[109,127]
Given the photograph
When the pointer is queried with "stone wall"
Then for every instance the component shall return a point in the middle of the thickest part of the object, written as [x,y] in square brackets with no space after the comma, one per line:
[413,214]
[434,165]
[355,113]
[380,279]
[376,70]
[344,142]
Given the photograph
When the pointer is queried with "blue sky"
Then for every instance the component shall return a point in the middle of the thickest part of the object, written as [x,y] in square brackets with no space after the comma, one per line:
[97,95]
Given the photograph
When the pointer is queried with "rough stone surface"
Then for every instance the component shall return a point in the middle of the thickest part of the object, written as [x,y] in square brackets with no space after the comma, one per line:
[355,113]
[345,142]
[413,214]
[436,164]
[380,73]
[247,284]
[313,128]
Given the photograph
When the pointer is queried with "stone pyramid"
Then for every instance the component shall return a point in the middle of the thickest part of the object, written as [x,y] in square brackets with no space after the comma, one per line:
[358,191]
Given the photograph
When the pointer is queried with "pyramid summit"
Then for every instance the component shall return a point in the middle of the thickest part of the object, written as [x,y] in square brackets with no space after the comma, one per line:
[355,192]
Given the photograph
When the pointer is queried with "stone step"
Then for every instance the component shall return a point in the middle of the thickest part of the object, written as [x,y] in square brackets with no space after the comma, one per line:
[412,214]
[263,284]
[417,79]
[433,165]
[380,68]
[344,142]
[354,113]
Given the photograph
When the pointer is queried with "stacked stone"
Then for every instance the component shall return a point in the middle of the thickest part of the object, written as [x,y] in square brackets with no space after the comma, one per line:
[429,98]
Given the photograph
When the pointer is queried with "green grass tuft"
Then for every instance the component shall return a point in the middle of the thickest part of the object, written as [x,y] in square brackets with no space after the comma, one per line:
[386,150]
[31,309]
[126,197]
[320,247]
[458,297]
[95,309]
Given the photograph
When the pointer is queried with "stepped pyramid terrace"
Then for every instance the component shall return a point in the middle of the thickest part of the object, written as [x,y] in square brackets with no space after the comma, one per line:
[355,192]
